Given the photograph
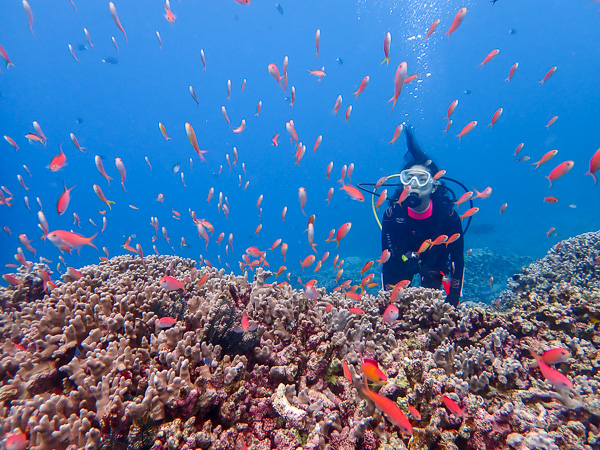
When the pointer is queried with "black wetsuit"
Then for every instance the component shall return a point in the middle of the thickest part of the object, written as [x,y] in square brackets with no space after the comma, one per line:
[402,235]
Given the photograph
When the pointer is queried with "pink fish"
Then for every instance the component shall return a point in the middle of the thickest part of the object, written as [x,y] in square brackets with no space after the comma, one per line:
[387,42]
[345,368]
[548,75]
[338,104]
[317,41]
[6,58]
[113,13]
[512,72]
[491,55]
[29,15]
[594,165]
[391,313]
[58,162]
[467,129]
[554,356]
[122,171]
[553,376]
[100,168]
[363,85]
[171,284]
[452,406]
[432,28]
[61,238]
[63,201]
[16,441]
[458,19]
[560,170]
[397,133]
[451,109]
[398,82]
[274,71]
[495,117]
[166,322]
[413,412]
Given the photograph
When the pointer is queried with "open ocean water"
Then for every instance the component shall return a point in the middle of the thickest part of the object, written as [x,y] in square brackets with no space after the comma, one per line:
[113,100]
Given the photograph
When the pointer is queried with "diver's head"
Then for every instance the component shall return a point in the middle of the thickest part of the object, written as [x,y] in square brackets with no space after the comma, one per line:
[419,180]
[418,174]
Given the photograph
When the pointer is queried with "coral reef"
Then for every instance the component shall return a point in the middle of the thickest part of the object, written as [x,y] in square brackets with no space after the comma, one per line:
[483,263]
[90,365]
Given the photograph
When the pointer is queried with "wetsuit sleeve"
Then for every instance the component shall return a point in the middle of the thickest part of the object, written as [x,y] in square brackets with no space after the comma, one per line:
[457,259]
[395,239]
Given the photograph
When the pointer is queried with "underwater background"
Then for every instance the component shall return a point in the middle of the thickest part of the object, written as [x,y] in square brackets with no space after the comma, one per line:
[113,101]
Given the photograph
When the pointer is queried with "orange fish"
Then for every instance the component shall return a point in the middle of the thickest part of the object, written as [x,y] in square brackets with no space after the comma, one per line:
[503,208]
[302,198]
[163,131]
[469,212]
[353,192]
[345,368]
[357,311]
[389,408]
[366,267]
[371,369]
[550,199]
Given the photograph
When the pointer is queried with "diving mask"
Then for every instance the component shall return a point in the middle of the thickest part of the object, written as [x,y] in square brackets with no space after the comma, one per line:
[418,176]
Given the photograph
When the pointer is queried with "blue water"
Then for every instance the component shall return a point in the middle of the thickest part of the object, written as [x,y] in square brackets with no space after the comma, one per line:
[119,107]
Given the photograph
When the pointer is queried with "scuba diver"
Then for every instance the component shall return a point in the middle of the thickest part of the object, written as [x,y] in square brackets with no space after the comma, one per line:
[427,213]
